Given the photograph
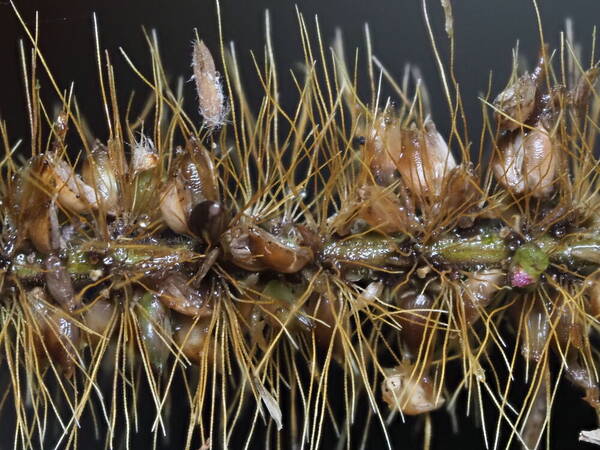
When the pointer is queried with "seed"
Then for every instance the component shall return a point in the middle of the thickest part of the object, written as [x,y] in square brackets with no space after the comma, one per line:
[97,317]
[479,290]
[253,248]
[207,220]
[414,324]
[527,163]
[57,336]
[98,172]
[198,173]
[536,327]
[154,324]
[383,211]
[282,301]
[192,336]
[408,390]
[59,284]
[73,193]
[176,294]
[516,103]
[175,206]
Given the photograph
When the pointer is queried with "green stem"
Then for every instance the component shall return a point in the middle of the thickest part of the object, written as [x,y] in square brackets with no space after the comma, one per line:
[486,248]
[580,252]
[91,260]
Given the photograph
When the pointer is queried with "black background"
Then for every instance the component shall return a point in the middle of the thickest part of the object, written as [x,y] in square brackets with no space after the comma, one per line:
[486,31]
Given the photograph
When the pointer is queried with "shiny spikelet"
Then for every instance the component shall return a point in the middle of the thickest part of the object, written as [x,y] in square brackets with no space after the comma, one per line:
[304,279]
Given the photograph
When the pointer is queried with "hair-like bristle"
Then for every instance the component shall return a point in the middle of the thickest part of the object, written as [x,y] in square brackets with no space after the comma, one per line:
[299,278]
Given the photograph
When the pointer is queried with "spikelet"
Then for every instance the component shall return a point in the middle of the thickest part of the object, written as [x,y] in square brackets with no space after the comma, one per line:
[211,99]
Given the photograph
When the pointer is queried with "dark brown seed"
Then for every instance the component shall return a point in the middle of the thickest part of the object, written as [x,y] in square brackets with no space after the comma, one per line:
[207,220]
[414,324]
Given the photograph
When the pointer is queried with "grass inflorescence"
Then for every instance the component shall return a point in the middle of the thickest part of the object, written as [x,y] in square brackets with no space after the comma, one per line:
[287,275]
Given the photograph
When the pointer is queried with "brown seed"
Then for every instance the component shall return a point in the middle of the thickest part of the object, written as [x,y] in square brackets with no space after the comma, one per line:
[38,212]
[255,249]
[419,154]
[236,244]
[276,253]
[516,103]
[38,230]
[569,327]
[527,162]
[198,173]
[176,205]
[424,160]
[57,336]
[478,291]
[414,320]
[192,183]
[378,156]
[192,336]
[325,310]
[98,172]
[176,294]
[73,193]
[383,211]
[460,191]
[409,390]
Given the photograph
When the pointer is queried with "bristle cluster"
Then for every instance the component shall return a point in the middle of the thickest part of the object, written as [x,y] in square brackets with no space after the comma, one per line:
[281,276]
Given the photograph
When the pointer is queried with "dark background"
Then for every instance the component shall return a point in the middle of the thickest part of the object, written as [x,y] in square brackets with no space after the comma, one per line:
[485,31]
